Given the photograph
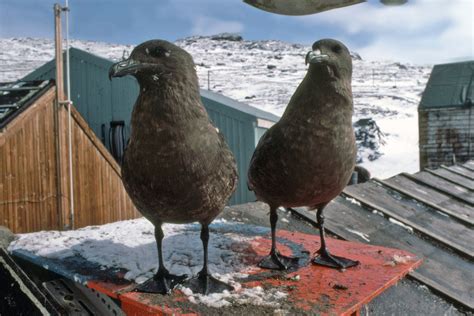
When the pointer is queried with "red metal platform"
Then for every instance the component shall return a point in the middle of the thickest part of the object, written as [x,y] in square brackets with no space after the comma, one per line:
[311,289]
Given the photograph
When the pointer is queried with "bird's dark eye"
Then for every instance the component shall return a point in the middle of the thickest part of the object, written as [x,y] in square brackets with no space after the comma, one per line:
[158,52]
[337,49]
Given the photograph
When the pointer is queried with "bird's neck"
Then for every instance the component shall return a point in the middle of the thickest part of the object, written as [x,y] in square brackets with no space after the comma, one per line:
[315,97]
[325,84]
[330,88]
[172,99]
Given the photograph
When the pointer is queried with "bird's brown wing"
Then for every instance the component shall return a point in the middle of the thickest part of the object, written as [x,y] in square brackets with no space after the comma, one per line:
[266,160]
[231,163]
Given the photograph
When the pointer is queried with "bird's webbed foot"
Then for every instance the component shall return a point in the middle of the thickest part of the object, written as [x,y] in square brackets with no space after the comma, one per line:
[277,261]
[324,258]
[204,283]
[162,282]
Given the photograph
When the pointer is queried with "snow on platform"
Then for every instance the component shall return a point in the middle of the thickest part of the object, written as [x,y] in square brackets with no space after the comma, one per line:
[112,258]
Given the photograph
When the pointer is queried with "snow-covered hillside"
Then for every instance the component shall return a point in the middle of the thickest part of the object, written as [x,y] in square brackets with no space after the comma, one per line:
[265,74]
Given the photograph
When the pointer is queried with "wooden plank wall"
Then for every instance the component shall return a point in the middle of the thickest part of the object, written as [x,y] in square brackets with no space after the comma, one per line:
[28,191]
[30,198]
[99,195]
[444,132]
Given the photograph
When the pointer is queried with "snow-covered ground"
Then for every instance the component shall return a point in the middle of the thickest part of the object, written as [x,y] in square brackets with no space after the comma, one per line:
[265,74]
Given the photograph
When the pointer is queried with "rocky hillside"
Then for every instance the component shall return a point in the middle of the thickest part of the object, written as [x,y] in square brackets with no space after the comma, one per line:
[264,74]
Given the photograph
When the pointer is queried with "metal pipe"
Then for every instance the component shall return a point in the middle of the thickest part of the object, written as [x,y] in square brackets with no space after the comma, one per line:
[69,127]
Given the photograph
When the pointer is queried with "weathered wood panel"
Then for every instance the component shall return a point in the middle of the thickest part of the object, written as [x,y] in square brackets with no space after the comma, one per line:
[453,177]
[99,195]
[461,171]
[34,173]
[28,192]
[445,133]
[444,229]
[469,165]
[443,201]
[457,192]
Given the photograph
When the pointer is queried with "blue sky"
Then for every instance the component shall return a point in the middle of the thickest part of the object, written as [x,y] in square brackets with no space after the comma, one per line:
[421,31]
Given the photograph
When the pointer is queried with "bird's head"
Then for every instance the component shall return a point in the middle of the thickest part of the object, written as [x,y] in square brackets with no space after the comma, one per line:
[153,62]
[330,59]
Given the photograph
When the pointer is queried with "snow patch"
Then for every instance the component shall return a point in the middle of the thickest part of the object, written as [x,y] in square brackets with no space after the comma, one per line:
[378,213]
[131,245]
[247,296]
[400,151]
[353,201]
[394,221]
[399,259]
[442,214]
[107,244]
[420,190]
[361,235]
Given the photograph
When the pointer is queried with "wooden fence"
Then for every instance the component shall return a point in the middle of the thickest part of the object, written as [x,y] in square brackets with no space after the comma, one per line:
[34,172]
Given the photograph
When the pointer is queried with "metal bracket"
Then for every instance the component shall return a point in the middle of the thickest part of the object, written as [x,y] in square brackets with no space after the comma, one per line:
[65,102]
[80,300]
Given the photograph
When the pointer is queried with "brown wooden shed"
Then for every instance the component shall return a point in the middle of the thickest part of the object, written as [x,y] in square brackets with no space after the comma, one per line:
[34,165]
[446,116]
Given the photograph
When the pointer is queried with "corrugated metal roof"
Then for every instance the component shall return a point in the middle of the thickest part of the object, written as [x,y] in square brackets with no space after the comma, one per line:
[15,97]
[430,213]
[243,107]
[48,70]
[449,85]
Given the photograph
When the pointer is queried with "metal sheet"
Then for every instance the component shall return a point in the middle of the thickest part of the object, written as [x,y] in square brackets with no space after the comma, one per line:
[300,7]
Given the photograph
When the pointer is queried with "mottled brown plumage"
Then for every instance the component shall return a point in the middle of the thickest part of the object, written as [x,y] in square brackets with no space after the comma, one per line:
[177,168]
[307,158]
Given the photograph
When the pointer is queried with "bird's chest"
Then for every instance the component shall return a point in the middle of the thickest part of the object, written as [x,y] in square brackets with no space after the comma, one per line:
[319,139]
[159,169]
[162,155]
[321,156]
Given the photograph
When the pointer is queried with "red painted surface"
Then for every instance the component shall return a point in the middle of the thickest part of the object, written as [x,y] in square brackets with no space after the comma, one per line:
[319,290]
[139,304]
[322,289]
[109,288]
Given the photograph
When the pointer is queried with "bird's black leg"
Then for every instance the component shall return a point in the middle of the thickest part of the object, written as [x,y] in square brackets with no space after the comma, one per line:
[324,258]
[205,283]
[163,282]
[275,260]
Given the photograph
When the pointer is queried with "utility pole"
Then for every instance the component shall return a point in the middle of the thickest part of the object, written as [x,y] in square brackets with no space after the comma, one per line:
[66,215]
[59,98]
[58,42]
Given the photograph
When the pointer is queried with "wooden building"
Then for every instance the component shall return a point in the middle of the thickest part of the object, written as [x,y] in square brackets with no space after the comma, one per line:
[34,173]
[446,116]
[107,105]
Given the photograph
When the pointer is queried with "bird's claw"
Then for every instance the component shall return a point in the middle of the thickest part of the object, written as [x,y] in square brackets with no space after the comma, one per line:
[324,258]
[277,261]
[161,283]
[205,284]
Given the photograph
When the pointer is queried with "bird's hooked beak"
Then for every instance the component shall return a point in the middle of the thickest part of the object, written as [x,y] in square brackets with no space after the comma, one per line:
[315,56]
[124,67]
